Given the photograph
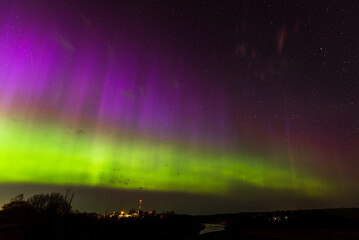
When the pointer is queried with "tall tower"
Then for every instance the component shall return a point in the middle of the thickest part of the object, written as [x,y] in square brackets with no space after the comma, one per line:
[140,207]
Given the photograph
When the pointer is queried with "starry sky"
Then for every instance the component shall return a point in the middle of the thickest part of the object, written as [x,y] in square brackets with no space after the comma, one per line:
[200,107]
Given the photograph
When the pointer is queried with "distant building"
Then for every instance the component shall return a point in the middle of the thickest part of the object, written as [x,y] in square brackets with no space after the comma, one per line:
[132,213]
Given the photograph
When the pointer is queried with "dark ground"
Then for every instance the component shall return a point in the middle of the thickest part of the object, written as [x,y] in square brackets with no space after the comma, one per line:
[22,222]
[285,234]
[319,224]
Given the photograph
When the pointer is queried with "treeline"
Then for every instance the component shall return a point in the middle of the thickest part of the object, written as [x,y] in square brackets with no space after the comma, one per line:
[50,216]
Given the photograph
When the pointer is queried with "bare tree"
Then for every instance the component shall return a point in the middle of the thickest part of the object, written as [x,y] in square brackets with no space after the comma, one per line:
[53,203]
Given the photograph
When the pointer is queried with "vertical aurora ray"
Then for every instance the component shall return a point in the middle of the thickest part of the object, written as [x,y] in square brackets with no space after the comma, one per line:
[90,106]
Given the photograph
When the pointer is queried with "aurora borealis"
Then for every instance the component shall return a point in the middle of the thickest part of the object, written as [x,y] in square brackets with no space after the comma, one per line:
[209,98]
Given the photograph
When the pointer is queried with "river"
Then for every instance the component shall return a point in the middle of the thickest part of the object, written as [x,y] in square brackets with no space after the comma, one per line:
[209,227]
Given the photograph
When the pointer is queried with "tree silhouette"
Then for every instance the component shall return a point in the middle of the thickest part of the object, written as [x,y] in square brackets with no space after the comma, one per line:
[53,203]
[16,202]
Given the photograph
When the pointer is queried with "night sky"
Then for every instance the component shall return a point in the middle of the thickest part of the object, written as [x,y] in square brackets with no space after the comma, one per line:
[195,106]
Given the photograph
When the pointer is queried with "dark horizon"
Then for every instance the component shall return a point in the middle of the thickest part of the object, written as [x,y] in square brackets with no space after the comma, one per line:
[106,200]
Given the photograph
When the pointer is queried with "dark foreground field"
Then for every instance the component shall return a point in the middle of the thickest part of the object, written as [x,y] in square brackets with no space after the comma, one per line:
[31,225]
[321,224]
[284,234]
[51,217]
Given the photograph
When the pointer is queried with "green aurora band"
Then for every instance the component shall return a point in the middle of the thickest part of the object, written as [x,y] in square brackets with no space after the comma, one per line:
[47,155]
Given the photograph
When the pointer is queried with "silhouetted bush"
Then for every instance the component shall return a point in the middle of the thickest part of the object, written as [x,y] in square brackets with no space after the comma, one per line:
[53,203]
[15,204]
